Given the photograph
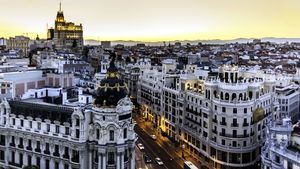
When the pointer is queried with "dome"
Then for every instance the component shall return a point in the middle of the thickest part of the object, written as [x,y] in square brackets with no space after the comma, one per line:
[111,88]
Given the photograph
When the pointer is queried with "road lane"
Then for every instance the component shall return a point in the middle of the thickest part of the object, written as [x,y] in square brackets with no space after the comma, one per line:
[156,151]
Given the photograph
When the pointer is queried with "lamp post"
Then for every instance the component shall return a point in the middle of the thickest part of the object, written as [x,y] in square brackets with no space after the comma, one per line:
[214,157]
[183,146]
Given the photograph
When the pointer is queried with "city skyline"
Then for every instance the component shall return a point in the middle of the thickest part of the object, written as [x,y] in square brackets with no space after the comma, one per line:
[156,20]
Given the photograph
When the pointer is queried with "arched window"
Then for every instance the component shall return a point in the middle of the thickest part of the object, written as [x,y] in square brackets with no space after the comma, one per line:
[222,96]
[250,95]
[233,96]
[226,96]
[215,93]
[241,96]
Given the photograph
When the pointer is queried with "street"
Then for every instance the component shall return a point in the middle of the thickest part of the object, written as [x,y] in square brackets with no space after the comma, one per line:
[161,147]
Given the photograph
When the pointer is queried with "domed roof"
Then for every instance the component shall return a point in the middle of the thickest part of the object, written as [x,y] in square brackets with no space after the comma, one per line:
[111,88]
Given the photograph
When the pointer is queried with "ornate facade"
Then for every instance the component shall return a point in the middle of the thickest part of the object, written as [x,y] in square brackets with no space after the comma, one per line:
[220,120]
[66,35]
[94,136]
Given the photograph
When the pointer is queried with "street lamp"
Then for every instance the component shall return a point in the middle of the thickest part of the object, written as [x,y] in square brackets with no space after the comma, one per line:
[214,158]
[183,146]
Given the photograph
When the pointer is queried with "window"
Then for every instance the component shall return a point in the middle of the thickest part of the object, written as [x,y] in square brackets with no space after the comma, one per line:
[47,147]
[48,127]
[223,109]
[57,128]
[13,139]
[30,124]
[13,156]
[2,157]
[290,165]
[223,142]
[67,131]
[245,110]
[21,159]
[234,110]
[38,162]
[56,165]
[14,121]
[22,123]
[98,133]
[77,133]
[38,145]
[125,133]
[111,135]
[39,126]
[29,143]
[66,166]
[77,122]
[111,158]
[29,160]
[234,143]
[47,164]
[2,140]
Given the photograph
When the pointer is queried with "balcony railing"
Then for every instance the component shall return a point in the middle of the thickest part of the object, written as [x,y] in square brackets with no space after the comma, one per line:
[245,124]
[223,123]
[234,125]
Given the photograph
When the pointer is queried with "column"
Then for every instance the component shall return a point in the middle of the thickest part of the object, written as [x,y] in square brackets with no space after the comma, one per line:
[90,163]
[104,161]
[132,160]
[61,164]
[118,160]
[43,163]
[52,165]
[100,161]
[61,150]
[25,158]
[122,160]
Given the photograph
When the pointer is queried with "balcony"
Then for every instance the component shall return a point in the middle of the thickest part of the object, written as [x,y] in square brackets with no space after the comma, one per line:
[215,131]
[47,152]
[234,125]
[12,144]
[245,124]
[2,143]
[29,148]
[215,120]
[37,150]
[75,159]
[21,146]
[66,156]
[56,154]
[223,123]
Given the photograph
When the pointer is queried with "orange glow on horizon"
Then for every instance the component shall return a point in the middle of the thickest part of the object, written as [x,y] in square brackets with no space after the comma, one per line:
[156,20]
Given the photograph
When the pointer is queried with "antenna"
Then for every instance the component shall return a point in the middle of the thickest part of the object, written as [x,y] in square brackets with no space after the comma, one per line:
[59,5]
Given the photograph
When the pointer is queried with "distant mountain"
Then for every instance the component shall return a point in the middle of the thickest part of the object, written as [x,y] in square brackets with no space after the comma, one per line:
[212,41]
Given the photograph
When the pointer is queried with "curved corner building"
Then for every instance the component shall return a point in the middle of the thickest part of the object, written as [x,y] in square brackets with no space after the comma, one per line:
[96,136]
[220,120]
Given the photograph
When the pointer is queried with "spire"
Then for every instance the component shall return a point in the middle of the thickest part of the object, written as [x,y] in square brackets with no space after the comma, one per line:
[60,6]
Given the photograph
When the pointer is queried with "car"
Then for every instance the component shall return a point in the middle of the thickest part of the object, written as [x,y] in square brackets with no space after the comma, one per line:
[153,137]
[140,146]
[158,160]
[147,159]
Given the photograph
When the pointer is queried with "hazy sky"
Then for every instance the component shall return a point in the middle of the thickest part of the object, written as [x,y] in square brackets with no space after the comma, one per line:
[153,20]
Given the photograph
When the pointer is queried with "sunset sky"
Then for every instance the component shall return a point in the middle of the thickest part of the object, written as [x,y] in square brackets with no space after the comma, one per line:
[156,20]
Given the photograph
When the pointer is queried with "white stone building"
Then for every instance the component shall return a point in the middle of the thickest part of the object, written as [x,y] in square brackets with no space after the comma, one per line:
[220,120]
[51,136]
